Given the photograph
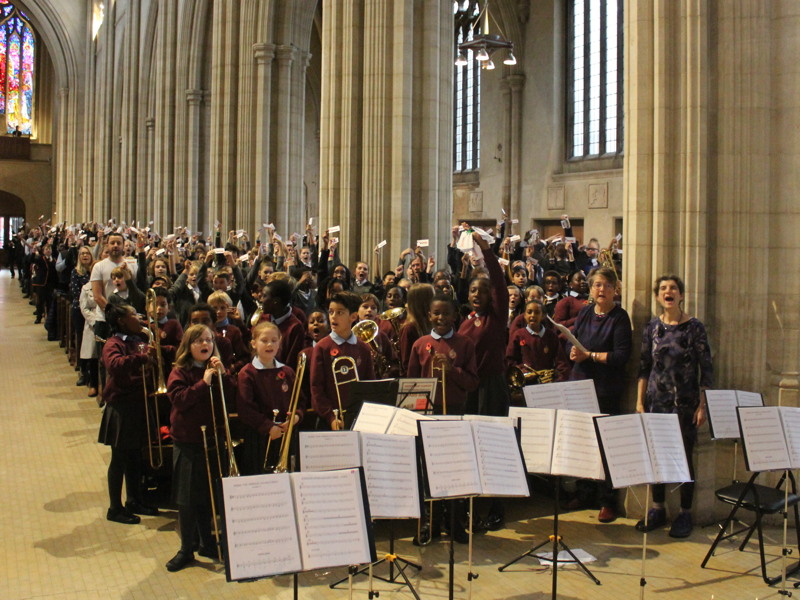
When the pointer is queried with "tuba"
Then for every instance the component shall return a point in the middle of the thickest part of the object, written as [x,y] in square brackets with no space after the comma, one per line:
[519,377]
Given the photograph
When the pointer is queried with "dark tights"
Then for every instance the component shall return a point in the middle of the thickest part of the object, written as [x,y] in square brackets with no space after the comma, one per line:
[687,488]
[124,463]
[195,521]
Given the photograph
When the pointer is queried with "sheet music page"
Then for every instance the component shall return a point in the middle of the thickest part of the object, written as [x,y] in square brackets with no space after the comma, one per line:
[414,393]
[790,417]
[625,448]
[261,526]
[390,468]
[405,422]
[762,437]
[721,405]
[749,398]
[537,429]
[581,396]
[576,452]
[489,419]
[667,452]
[329,450]
[331,522]
[544,395]
[374,418]
[499,460]
[450,461]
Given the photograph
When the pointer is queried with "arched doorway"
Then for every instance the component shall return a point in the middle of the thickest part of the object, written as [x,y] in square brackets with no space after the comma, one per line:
[12,217]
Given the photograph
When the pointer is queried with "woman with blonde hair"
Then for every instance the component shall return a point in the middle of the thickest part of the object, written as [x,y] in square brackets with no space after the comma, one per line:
[78,278]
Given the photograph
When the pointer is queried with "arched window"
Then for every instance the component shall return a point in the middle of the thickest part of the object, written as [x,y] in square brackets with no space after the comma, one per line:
[467,99]
[594,76]
[17,43]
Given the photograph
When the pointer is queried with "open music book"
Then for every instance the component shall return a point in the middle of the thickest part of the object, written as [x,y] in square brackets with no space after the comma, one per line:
[642,448]
[721,406]
[471,458]
[380,418]
[569,395]
[290,522]
[389,461]
[559,442]
[770,437]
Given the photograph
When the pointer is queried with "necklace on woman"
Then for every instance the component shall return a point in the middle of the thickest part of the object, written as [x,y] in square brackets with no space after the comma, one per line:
[663,318]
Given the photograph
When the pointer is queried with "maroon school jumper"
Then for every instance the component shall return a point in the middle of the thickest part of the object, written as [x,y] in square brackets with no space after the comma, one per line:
[241,355]
[538,352]
[323,389]
[191,404]
[461,377]
[567,310]
[261,391]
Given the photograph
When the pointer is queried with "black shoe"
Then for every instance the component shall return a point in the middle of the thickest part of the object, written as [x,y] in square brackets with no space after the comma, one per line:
[81,380]
[656,517]
[179,561]
[120,515]
[681,526]
[37,321]
[137,508]
[494,522]
[208,552]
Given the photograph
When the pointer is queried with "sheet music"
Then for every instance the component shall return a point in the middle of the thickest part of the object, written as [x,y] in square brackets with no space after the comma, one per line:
[625,449]
[748,398]
[405,422]
[499,461]
[414,393]
[721,405]
[259,546]
[390,468]
[450,460]
[665,444]
[581,396]
[537,429]
[374,418]
[489,419]
[329,450]
[576,452]
[544,395]
[762,436]
[331,522]
[790,417]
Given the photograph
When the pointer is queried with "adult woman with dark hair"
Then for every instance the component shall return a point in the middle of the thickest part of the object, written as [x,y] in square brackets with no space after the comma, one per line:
[604,329]
[674,371]
[123,426]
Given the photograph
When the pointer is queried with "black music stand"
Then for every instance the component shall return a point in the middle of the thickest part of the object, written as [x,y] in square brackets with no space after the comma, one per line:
[380,391]
[558,543]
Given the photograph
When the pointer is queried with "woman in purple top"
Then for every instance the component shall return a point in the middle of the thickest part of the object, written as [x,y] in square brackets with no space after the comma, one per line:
[604,330]
[675,369]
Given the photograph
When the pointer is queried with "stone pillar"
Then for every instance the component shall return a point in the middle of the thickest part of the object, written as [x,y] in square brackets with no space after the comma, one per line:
[167,33]
[64,201]
[263,55]
[191,160]
[150,126]
[283,132]
[88,141]
[241,211]
[297,213]
[516,83]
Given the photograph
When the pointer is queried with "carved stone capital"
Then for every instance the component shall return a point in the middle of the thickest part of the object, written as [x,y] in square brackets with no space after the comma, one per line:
[263,53]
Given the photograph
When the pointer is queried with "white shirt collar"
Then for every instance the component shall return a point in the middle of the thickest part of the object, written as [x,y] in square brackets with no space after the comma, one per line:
[340,340]
[446,336]
[260,366]
[282,318]
[540,333]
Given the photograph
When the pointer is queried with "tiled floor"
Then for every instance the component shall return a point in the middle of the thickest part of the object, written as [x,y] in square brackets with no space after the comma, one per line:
[56,543]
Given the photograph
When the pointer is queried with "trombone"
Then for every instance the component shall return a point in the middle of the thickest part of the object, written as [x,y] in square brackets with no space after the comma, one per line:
[154,464]
[439,363]
[233,469]
[342,371]
[286,440]
[155,338]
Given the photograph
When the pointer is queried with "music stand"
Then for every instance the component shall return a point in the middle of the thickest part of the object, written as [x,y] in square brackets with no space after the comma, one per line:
[380,391]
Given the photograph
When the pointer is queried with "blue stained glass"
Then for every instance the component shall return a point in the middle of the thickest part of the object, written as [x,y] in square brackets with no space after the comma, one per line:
[7,10]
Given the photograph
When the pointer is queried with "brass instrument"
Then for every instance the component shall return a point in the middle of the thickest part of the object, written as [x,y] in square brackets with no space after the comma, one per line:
[256,315]
[367,332]
[607,260]
[211,492]
[233,469]
[393,315]
[275,413]
[155,338]
[286,440]
[439,363]
[519,377]
[343,371]
[155,464]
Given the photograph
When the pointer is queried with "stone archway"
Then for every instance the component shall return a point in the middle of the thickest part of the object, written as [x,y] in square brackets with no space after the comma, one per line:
[12,214]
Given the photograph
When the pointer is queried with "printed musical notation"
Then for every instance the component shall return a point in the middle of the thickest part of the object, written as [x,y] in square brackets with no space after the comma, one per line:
[721,406]
[576,452]
[329,450]
[390,468]
[763,438]
[374,418]
[566,395]
[500,465]
[790,417]
[404,422]
[537,428]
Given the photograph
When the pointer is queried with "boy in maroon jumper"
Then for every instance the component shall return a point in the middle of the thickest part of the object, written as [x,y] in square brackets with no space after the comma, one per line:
[203,314]
[222,305]
[342,313]
[536,347]
[276,298]
[169,330]
[457,354]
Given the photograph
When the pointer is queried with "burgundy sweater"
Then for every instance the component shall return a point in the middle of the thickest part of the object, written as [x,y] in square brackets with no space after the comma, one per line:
[261,391]
[323,389]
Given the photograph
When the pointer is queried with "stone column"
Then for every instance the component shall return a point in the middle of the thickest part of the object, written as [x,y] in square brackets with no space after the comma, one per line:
[297,213]
[64,201]
[283,131]
[246,134]
[193,170]
[516,83]
[263,55]
[88,141]
[150,126]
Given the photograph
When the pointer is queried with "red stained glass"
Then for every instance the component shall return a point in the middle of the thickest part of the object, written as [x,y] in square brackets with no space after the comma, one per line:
[17,52]
[2,70]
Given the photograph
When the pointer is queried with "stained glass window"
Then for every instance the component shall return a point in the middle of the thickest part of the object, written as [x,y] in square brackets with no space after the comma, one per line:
[467,92]
[17,52]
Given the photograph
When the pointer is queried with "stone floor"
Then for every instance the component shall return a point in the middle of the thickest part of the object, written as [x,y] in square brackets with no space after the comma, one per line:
[56,543]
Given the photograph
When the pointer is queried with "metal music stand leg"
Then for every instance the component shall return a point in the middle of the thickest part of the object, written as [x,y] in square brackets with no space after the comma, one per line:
[642,580]
[452,561]
[558,542]
[296,586]
[394,562]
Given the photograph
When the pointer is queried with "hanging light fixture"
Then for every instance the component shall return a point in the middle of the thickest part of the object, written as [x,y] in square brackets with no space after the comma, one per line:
[484,44]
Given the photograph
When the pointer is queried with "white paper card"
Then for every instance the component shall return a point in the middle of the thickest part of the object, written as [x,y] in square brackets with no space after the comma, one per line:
[422,243]
[329,450]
